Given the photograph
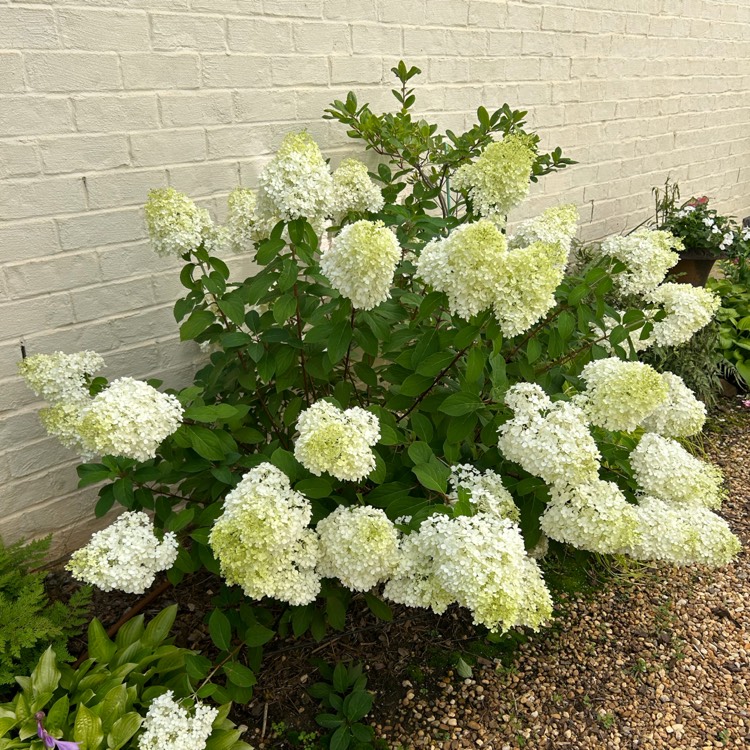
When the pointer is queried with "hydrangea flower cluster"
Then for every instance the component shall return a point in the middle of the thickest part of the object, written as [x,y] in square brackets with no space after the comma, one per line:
[60,377]
[688,309]
[486,491]
[620,395]
[664,469]
[527,284]
[358,545]
[680,414]
[473,267]
[466,265]
[241,230]
[337,442]
[499,179]
[353,190]
[175,224]
[551,441]
[168,726]
[125,556]
[696,537]
[295,183]
[555,226]
[595,516]
[648,255]
[129,418]
[262,540]
[63,421]
[361,261]
[478,562]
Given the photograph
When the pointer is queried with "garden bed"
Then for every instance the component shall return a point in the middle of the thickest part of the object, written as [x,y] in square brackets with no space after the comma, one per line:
[650,658]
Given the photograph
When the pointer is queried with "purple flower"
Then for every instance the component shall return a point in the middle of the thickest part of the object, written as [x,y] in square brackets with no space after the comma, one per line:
[48,739]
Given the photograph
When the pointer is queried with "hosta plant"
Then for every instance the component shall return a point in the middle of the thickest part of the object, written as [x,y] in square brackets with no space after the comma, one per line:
[406,401]
[138,691]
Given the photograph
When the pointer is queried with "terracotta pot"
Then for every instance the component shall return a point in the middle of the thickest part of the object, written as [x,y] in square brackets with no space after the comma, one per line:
[693,269]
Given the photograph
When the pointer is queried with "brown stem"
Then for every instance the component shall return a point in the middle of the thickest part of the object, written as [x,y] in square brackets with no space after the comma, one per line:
[437,379]
[349,348]
[302,362]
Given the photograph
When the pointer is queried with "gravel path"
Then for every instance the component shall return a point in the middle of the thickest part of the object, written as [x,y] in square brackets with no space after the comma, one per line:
[659,660]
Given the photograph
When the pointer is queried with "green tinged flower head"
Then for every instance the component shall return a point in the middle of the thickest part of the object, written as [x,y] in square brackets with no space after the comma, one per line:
[688,308]
[594,516]
[337,441]
[296,183]
[353,190]
[526,289]
[175,224]
[647,255]
[129,418]
[665,470]
[620,395]
[241,230]
[262,540]
[478,562]
[63,421]
[358,545]
[555,226]
[467,265]
[499,179]
[361,261]
[681,414]
[681,536]
[60,377]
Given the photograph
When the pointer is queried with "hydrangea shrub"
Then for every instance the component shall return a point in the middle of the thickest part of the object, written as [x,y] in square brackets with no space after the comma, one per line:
[406,399]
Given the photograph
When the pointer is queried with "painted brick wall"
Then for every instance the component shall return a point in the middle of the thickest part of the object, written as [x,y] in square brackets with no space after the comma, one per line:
[102,99]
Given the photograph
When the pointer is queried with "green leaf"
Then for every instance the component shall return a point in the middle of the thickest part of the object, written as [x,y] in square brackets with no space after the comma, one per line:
[458,404]
[198,321]
[284,307]
[340,678]
[341,738]
[158,629]
[338,343]
[433,476]
[212,413]
[204,442]
[315,488]
[87,729]
[92,473]
[420,453]
[268,250]
[220,630]
[464,670]
[57,716]
[329,721]
[123,730]
[378,607]
[257,635]
[233,308]
[7,723]
[533,350]
[46,675]
[336,612]
[362,733]
[357,705]
[239,674]
[101,647]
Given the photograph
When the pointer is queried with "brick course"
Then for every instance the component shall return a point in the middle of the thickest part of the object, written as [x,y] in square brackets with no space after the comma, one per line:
[100,101]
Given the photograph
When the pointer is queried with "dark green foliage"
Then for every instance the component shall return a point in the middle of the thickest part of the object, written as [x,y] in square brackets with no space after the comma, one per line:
[101,703]
[29,623]
[346,702]
[734,326]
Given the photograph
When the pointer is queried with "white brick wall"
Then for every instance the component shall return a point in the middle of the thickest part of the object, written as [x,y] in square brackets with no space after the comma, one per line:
[102,99]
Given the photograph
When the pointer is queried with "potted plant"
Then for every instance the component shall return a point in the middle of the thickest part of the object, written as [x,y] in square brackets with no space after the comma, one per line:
[706,236]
